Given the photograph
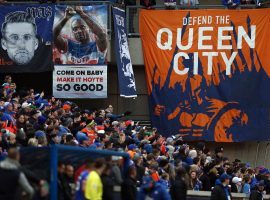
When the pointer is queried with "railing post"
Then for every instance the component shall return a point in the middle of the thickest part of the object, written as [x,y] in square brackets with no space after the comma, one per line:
[53,172]
[127,19]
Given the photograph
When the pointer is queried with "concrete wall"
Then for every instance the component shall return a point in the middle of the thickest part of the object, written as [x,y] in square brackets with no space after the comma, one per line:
[138,106]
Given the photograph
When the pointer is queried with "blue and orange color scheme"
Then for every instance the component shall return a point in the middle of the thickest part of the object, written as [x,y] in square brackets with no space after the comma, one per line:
[208,73]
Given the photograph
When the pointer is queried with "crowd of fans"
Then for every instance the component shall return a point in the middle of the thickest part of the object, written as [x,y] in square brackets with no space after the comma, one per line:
[159,167]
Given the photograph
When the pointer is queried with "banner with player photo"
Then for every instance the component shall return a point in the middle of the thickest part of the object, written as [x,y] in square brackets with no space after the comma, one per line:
[80,35]
[125,71]
[26,37]
[88,81]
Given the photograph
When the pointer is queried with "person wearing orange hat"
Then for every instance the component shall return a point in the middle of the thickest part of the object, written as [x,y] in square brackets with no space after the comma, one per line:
[132,150]
[89,130]
[66,108]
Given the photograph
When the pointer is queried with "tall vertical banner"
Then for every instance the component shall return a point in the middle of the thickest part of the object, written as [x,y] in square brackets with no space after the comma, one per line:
[208,73]
[26,38]
[125,71]
[80,48]
[70,81]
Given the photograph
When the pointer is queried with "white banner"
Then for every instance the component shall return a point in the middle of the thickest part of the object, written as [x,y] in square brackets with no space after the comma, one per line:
[87,81]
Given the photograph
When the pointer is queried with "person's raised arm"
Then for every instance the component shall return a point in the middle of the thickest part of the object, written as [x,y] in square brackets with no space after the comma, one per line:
[95,27]
[59,41]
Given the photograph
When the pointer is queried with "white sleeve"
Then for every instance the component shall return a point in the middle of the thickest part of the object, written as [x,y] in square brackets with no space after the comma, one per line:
[26,185]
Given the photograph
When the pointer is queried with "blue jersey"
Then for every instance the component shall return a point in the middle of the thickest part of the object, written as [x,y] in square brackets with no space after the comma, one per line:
[79,195]
[84,53]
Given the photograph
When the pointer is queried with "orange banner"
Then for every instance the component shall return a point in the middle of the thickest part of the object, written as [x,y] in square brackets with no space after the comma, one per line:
[207,72]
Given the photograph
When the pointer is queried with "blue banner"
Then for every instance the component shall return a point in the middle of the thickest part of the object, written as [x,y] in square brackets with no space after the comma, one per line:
[210,86]
[125,71]
[26,38]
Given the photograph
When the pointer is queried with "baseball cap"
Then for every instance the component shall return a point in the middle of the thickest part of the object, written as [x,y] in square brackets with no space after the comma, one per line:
[236,180]
[261,183]
[132,147]
[224,176]
[80,137]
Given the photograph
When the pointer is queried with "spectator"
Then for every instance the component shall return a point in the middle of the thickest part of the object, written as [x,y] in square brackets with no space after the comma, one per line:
[81,182]
[194,182]
[94,187]
[178,189]
[232,4]
[138,161]
[153,190]
[221,191]
[129,189]
[257,192]
[107,183]
[204,178]
[148,4]
[12,178]
[246,186]
[170,4]
[68,181]
[236,185]
[246,2]
[189,2]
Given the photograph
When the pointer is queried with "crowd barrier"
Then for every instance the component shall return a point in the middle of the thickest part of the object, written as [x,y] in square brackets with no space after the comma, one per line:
[46,160]
[201,195]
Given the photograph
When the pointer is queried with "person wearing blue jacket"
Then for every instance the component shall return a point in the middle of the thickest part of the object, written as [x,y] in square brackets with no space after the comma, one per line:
[231,3]
[153,190]
[221,190]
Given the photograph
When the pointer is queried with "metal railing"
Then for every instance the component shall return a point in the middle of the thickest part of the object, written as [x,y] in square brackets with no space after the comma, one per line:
[132,13]
[201,195]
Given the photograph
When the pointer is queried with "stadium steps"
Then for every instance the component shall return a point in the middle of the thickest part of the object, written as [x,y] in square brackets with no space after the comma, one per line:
[146,123]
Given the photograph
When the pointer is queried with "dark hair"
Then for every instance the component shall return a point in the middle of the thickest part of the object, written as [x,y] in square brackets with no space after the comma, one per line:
[7,77]
[18,16]
[196,160]
[99,162]
[246,178]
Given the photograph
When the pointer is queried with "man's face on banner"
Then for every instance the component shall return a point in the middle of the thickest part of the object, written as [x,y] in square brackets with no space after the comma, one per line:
[80,30]
[20,42]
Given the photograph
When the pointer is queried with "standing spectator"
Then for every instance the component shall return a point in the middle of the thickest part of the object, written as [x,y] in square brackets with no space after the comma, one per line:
[221,191]
[194,182]
[244,2]
[107,183]
[203,177]
[153,190]
[231,3]
[246,186]
[7,80]
[94,187]
[189,2]
[12,178]
[81,182]
[170,4]
[257,193]
[138,161]
[236,185]
[148,3]
[69,182]
[178,189]
[219,152]
[129,190]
